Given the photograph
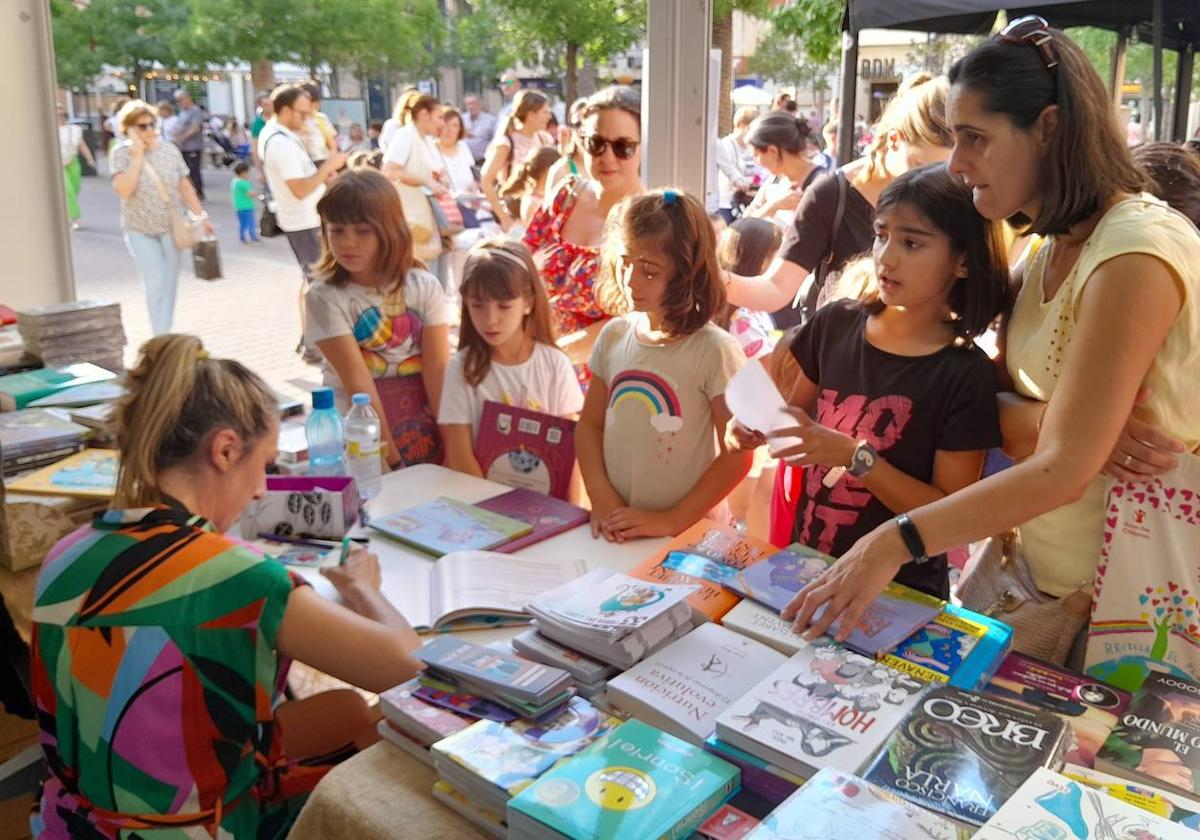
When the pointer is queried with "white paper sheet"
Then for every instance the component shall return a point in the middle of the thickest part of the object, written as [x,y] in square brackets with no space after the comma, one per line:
[755,401]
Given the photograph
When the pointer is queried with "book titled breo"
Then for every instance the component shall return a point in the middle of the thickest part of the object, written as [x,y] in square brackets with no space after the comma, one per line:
[1158,737]
[963,755]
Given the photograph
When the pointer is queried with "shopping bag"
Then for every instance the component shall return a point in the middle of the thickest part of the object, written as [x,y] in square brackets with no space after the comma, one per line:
[1146,611]
[206,259]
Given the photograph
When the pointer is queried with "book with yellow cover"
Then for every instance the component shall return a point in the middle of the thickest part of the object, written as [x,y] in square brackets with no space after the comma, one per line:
[90,474]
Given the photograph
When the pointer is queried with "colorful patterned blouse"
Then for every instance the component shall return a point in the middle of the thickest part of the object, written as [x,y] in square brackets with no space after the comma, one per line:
[155,676]
[568,270]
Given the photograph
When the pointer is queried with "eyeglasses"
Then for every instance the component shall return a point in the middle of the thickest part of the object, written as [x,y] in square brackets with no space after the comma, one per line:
[595,145]
[1033,31]
[144,126]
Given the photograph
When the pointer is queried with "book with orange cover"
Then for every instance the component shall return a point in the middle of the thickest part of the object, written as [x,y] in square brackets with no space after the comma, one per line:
[704,555]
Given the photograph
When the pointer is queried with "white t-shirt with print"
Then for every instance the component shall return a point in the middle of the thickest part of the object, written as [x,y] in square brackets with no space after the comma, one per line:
[658,429]
[544,382]
[387,333]
[285,159]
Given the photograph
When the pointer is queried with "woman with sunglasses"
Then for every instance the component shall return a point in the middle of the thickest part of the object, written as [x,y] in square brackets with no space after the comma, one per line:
[151,179]
[565,234]
[1108,315]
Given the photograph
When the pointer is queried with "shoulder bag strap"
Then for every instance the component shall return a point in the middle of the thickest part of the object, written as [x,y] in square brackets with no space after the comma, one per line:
[814,291]
[158,182]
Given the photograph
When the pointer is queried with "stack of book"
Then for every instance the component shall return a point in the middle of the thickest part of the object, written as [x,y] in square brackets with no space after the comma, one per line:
[612,617]
[826,706]
[636,782]
[36,437]
[490,762]
[964,755]
[67,333]
[19,390]
[591,677]
[528,688]
[413,724]
[683,687]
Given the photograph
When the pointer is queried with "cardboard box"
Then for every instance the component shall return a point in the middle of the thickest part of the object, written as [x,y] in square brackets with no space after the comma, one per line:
[321,506]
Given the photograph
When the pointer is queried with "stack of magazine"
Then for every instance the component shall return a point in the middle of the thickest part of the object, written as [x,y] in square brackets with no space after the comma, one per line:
[612,617]
[528,688]
[82,331]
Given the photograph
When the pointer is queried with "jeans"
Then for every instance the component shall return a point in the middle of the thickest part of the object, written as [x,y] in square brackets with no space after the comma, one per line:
[157,261]
[247,229]
[192,159]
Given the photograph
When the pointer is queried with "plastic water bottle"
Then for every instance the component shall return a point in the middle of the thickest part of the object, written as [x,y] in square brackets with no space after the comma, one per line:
[363,446]
[325,435]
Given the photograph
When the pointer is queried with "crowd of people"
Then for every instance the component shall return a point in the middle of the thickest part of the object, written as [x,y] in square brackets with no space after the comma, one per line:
[1000,200]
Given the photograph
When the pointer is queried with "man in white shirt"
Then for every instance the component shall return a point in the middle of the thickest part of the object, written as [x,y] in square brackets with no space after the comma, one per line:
[735,162]
[480,126]
[295,182]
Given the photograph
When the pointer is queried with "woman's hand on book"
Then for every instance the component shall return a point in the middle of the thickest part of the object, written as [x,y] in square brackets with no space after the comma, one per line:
[361,569]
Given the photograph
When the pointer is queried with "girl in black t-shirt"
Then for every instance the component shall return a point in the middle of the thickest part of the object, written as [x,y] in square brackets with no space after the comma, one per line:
[896,406]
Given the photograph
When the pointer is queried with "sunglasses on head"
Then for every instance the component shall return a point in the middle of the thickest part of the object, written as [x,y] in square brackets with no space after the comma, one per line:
[1032,31]
[595,145]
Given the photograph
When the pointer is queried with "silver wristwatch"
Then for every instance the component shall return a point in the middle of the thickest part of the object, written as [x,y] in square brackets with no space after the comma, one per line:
[863,460]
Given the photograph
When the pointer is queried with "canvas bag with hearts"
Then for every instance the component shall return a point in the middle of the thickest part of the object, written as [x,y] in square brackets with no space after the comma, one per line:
[1146,610]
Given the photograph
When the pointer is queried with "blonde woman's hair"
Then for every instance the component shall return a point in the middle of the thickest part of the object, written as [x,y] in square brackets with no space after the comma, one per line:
[176,397]
[133,109]
[916,113]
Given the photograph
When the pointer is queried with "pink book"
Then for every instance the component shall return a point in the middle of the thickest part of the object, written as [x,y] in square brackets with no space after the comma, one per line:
[526,449]
[548,516]
[416,718]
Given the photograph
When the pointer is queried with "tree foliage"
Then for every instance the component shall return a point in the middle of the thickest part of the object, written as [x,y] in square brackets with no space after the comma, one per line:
[781,57]
[816,24]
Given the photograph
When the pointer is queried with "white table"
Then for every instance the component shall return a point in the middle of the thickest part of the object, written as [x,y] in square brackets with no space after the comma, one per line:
[406,571]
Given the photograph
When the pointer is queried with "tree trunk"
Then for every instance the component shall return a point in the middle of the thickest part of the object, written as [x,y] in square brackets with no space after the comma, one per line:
[722,39]
[572,81]
[262,75]
[587,78]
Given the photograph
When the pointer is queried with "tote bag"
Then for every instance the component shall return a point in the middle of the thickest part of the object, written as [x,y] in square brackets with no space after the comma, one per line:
[418,211]
[1146,612]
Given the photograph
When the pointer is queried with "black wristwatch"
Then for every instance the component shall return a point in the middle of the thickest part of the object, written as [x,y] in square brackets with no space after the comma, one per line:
[863,459]
[912,539]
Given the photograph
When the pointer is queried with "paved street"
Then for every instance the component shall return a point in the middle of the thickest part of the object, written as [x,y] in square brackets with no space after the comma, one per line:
[250,314]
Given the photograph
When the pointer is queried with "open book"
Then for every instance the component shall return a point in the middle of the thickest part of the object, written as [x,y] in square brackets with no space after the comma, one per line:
[466,589]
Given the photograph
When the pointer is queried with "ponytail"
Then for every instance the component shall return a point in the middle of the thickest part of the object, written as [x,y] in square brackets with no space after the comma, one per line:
[524,103]
[526,176]
[175,398]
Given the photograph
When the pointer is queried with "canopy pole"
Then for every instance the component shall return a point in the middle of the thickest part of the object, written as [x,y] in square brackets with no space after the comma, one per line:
[849,88]
[1183,92]
[1117,71]
[1158,69]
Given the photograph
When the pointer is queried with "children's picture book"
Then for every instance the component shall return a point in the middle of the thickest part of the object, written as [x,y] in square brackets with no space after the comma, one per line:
[706,556]
[504,673]
[17,390]
[1157,739]
[959,647]
[963,755]
[727,823]
[1051,807]
[1166,804]
[892,617]
[546,515]
[683,687]
[1090,707]
[636,782]
[419,719]
[526,449]
[826,706]
[606,603]
[445,525]
[756,621]
[90,474]
[834,805]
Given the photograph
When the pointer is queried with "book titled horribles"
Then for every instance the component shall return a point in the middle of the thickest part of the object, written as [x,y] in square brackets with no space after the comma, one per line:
[963,755]
[1158,737]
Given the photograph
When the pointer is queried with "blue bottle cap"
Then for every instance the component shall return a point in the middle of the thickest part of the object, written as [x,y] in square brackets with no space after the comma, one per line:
[361,399]
[322,398]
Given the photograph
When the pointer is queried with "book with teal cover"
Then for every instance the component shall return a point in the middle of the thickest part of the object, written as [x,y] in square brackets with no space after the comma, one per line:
[890,618]
[959,647]
[18,390]
[636,782]
[445,525]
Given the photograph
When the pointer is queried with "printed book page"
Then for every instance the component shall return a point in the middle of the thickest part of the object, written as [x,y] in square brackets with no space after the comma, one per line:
[487,583]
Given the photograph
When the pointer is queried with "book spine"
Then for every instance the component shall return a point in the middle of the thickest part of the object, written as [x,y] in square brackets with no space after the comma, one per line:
[40,459]
[913,669]
[693,818]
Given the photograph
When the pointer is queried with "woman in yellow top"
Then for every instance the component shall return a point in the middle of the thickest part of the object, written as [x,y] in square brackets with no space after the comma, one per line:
[1108,306]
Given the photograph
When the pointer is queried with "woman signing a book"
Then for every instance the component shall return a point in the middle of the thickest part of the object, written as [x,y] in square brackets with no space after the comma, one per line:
[161,647]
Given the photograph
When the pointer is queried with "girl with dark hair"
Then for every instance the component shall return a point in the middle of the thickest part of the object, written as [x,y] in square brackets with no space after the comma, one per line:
[896,404]
[781,145]
[522,134]
[380,320]
[647,441]
[506,351]
[1107,304]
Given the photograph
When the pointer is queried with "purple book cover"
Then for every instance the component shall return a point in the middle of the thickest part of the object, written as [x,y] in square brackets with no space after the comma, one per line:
[524,448]
[548,516]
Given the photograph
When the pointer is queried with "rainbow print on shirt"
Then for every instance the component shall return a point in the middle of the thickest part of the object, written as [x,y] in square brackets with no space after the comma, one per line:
[377,334]
[653,392]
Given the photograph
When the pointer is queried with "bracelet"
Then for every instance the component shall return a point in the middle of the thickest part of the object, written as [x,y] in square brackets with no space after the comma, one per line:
[912,539]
